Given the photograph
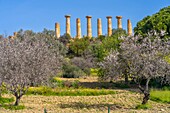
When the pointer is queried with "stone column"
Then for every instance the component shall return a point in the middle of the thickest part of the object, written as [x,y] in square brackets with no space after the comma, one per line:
[99,27]
[129,27]
[78,26]
[57,30]
[68,31]
[109,25]
[119,22]
[15,34]
[89,27]
[11,37]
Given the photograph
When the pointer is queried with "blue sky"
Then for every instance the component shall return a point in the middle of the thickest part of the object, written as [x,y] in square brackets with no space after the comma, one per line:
[39,14]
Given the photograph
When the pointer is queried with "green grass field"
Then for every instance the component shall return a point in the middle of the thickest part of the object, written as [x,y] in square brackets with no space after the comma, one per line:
[160,96]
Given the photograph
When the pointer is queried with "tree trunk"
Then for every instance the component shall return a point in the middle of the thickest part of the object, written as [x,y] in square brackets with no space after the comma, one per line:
[17,101]
[146,92]
[126,79]
[146,97]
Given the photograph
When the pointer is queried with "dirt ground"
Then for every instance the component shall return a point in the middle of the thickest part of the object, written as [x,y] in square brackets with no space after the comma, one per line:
[122,102]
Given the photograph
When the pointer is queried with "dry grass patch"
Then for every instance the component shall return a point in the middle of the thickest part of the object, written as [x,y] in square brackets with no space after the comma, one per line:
[123,101]
[86,79]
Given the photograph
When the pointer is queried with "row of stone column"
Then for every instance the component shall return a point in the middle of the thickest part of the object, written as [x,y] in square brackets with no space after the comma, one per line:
[89,26]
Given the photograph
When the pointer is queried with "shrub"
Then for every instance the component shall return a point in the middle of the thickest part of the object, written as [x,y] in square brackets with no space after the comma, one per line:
[75,84]
[166,88]
[83,64]
[94,71]
[72,71]
[57,82]
[67,84]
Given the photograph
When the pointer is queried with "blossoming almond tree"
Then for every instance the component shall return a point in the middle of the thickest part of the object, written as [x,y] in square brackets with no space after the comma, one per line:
[27,61]
[143,59]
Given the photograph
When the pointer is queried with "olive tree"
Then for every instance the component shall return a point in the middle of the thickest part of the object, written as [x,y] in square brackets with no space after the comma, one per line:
[143,59]
[27,61]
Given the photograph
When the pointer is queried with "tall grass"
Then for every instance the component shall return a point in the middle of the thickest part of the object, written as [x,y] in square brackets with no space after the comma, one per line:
[160,96]
[46,91]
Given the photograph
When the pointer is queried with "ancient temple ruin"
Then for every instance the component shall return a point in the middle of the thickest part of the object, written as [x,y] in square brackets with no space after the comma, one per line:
[89,26]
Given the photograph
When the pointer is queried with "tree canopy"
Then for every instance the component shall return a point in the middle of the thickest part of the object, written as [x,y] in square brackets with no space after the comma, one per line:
[141,59]
[27,60]
[158,22]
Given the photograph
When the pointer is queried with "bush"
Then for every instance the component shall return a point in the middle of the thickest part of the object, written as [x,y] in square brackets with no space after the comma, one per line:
[75,84]
[57,82]
[94,71]
[72,71]
[166,88]
[83,64]
[87,71]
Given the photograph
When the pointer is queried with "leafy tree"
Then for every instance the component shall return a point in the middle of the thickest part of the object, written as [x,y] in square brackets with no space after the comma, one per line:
[143,59]
[79,45]
[101,47]
[110,43]
[48,36]
[53,42]
[158,22]
[65,39]
[96,51]
[27,61]
[49,33]
[118,32]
